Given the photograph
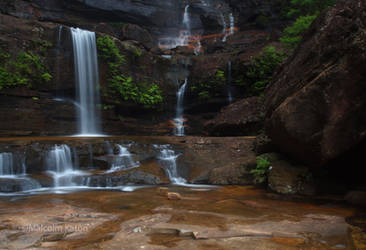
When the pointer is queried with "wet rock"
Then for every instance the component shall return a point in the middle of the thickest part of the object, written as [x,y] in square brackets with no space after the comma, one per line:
[316,101]
[234,174]
[244,117]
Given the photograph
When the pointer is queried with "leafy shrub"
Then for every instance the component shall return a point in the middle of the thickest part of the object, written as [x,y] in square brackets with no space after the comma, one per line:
[211,88]
[308,7]
[25,69]
[259,72]
[121,87]
[292,34]
[261,171]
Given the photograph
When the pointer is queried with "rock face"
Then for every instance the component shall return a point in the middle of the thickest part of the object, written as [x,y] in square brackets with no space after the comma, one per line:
[317,100]
[244,117]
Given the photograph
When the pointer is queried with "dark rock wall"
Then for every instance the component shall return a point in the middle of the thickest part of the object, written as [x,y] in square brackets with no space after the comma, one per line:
[136,24]
[316,101]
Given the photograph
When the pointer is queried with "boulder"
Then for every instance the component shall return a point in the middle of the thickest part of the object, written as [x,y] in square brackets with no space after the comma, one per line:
[244,117]
[284,178]
[316,102]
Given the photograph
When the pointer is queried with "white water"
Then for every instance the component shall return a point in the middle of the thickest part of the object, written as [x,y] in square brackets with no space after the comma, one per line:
[224,27]
[168,159]
[60,166]
[185,37]
[6,164]
[232,24]
[123,160]
[87,80]
[229,93]
[11,168]
[179,119]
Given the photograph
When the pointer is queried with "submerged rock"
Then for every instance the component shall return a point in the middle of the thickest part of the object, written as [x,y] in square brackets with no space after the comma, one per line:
[316,102]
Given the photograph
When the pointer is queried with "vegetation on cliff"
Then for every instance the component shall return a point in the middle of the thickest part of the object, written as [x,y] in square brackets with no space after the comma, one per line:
[121,87]
[261,68]
[25,68]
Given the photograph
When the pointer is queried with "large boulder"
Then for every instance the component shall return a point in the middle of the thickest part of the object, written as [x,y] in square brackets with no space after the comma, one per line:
[315,105]
[244,117]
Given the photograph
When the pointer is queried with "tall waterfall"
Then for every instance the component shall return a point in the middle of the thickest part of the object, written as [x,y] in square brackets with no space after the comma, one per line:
[179,119]
[87,80]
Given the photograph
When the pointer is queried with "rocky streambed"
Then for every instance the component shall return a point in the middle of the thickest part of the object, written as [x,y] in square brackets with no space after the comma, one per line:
[229,217]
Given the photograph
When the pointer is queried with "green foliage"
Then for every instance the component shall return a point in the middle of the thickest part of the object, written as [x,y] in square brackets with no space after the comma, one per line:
[25,69]
[261,170]
[259,72]
[305,12]
[292,34]
[42,45]
[308,7]
[148,95]
[109,51]
[121,87]
[211,88]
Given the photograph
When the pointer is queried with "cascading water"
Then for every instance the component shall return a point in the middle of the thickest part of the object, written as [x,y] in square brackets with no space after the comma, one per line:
[59,165]
[224,27]
[168,158]
[179,119]
[232,24]
[11,166]
[87,79]
[6,164]
[229,81]
[185,37]
[123,160]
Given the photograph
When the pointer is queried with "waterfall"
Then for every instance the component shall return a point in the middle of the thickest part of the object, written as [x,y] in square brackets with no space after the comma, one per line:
[185,37]
[179,119]
[87,80]
[168,158]
[6,164]
[232,24]
[229,81]
[12,165]
[60,166]
[224,27]
[123,160]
